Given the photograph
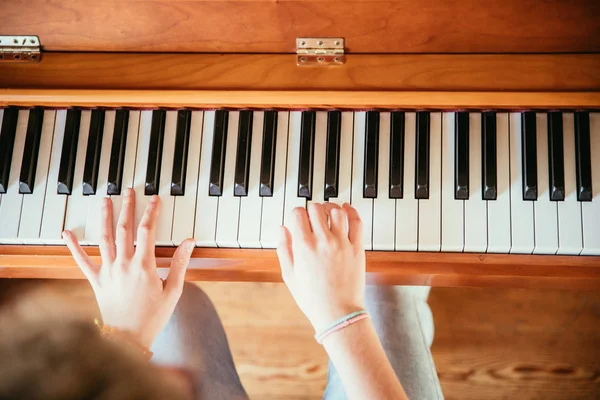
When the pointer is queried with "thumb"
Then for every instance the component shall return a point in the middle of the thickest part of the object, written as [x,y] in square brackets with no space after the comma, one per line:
[179,264]
[285,255]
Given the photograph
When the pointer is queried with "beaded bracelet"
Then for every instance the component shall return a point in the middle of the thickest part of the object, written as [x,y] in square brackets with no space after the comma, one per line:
[341,323]
[124,337]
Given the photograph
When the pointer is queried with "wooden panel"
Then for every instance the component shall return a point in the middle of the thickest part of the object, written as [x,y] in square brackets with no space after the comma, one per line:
[400,26]
[431,269]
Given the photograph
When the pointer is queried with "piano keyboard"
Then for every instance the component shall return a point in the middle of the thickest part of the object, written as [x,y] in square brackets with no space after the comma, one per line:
[421,181]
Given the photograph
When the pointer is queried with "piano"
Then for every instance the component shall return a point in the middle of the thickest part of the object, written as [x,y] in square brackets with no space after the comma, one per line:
[467,169]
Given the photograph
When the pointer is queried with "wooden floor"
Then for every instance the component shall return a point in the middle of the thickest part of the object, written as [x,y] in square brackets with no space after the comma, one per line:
[489,343]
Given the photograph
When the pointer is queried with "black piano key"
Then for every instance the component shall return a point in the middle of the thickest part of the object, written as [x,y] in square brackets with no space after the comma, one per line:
[157,135]
[397,155]
[117,153]
[69,152]
[180,156]
[242,161]
[31,150]
[583,161]
[461,156]
[307,147]
[217,162]
[267,163]
[488,161]
[332,154]
[92,155]
[556,161]
[422,156]
[7,142]
[529,155]
[371,155]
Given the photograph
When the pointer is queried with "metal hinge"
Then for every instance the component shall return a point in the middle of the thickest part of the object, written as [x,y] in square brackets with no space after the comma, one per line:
[320,51]
[20,49]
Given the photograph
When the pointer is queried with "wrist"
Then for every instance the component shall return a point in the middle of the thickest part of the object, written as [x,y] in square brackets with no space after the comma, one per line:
[328,315]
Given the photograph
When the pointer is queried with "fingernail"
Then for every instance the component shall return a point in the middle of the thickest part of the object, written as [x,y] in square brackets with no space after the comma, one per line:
[190,246]
[154,199]
[128,192]
[63,234]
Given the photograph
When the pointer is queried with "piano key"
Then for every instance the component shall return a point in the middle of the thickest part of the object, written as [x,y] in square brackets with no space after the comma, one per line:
[10,207]
[117,152]
[521,215]
[544,210]
[77,203]
[155,153]
[556,156]
[206,204]
[307,146]
[229,205]
[489,161]
[164,224]
[273,206]
[242,163]
[332,158]
[54,203]
[461,156]
[383,206]
[292,200]
[499,211]
[69,152]
[591,209]
[430,208]
[475,207]
[141,165]
[92,158]
[407,208]
[364,206]
[582,156]
[180,158]
[7,141]
[31,151]
[422,156]
[319,157]
[33,205]
[396,165]
[345,161]
[529,156]
[185,205]
[452,209]
[570,239]
[251,205]
[268,154]
[219,140]
[371,155]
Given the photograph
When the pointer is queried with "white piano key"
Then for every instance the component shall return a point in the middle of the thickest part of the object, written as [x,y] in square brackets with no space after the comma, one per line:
[206,206]
[430,219]
[452,209]
[12,200]
[545,212]
[318,182]
[345,169]
[33,204]
[251,205]
[272,207]
[475,207]
[185,206]
[591,209]
[54,204]
[77,203]
[141,164]
[165,218]
[498,211]
[521,212]
[407,208]
[384,208]
[293,155]
[363,206]
[93,223]
[228,212]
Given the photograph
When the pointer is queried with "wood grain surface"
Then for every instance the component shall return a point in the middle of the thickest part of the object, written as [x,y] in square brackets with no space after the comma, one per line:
[392,26]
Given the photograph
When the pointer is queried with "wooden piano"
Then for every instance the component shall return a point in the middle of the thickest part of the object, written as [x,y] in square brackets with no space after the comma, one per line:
[466,133]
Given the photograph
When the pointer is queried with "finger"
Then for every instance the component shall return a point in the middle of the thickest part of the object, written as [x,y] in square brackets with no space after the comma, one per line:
[338,223]
[125,226]
[299,226]
[355,226]
[89,269]
[179,264]
[107,241]
[318,220]
[147,230]
[285,255]
[329,206]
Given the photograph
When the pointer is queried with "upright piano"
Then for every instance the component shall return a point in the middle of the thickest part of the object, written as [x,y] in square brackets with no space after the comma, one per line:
[466,133]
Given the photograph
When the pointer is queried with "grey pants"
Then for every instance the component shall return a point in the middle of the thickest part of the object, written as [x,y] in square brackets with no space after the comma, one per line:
[195,339]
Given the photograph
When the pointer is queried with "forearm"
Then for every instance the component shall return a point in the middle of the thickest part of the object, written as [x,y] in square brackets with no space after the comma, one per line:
[361,363]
